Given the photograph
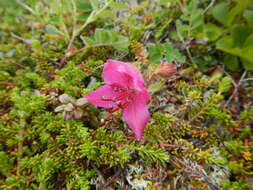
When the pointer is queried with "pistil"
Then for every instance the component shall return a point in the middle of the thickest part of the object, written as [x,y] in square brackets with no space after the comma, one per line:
[124,97]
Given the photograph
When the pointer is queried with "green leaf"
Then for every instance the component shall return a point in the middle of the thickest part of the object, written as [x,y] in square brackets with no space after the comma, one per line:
[101,36]
[181,29]
[247,64]
[83,6]
[248,41]
[179,56]
[118,5]
[247,52]
[169,52]
[53,30]
[193,15]
[121,43]
[226,45]
[240,34]
[240,6]
[82,18]
[197,22]
[172,54]
[212,32]
[220,12]
[111,38]
[159,51]
[94,4]
[196,18]
[87,41]
[224,85]
[231,62]
[108,13]
[248,14]
[155,52]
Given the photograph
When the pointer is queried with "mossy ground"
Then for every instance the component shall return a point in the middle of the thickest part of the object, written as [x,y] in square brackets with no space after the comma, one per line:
[200,135]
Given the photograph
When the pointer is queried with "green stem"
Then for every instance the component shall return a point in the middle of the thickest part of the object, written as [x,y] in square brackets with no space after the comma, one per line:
[74,25]
[92,16]
[190,56]
[63,25]
[76,32]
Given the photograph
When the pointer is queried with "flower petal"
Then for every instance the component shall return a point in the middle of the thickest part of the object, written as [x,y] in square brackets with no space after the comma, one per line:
[145,95]
[98,97]
[122,73]
[136,115]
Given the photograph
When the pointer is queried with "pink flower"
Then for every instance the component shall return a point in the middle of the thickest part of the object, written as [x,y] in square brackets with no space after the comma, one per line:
[124,89]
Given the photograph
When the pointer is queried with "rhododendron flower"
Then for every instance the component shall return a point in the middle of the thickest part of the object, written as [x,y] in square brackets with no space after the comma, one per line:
[124,89]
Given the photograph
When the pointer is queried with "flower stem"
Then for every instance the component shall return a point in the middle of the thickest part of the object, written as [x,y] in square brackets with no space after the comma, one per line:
[90,19]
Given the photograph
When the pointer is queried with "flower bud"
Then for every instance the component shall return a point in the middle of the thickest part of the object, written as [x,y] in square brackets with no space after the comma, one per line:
[59,108]
[78,114]
[69,107]
[81,101]
[71,52]
[64,98]
[66,115]
[165,70]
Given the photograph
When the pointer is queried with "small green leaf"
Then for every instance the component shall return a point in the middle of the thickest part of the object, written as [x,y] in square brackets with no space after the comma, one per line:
[197,19]
[159,51]
[181,29]
[101,36]
[53,30]
[172,54]
[121,43]
[156,52]
[84,6]
[111,38]
[118,5]
[179,56]
[82,18]
[155,87]
[94,4]
[212,32]
[87,41]
[169,52]
[224,85]
[108,13]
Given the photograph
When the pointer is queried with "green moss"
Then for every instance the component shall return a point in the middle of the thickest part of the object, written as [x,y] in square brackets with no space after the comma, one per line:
[200,130]
[69,79]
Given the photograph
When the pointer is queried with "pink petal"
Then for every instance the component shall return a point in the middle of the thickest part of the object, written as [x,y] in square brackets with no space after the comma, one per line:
[97,97]
[122,73]
[136,115]
[145,95]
